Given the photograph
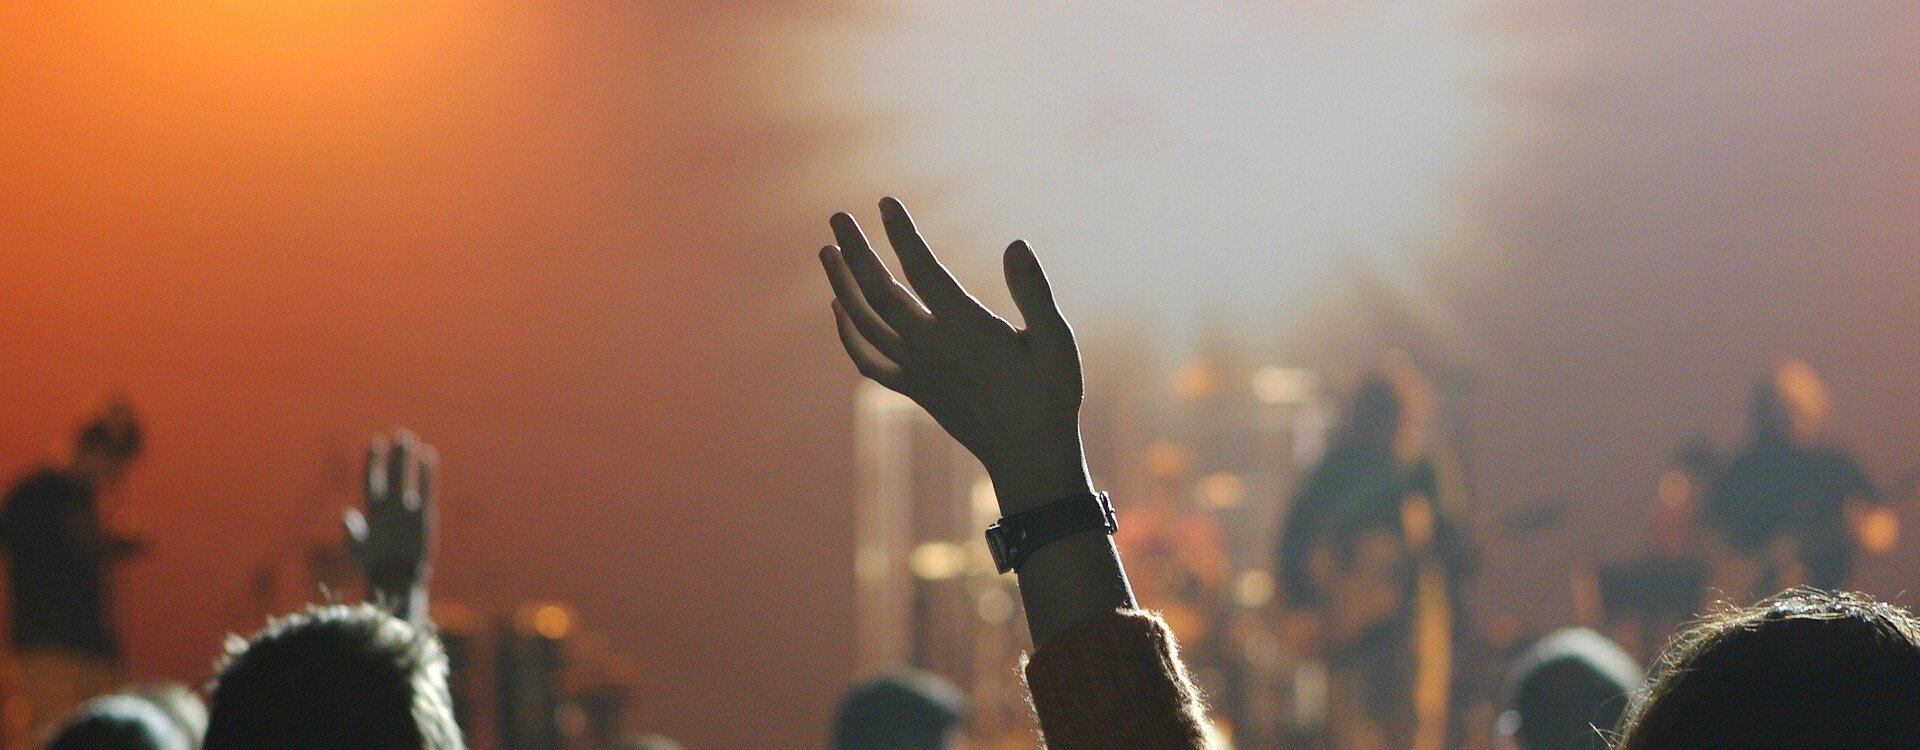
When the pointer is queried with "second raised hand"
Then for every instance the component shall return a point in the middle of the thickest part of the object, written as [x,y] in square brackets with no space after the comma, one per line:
[1010,396]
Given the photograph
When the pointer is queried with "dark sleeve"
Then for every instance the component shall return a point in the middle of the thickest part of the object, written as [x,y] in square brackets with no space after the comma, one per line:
[1730,506]
[29,518]
[1297,535]
[1854,478]
[1423,478]
[1116,682]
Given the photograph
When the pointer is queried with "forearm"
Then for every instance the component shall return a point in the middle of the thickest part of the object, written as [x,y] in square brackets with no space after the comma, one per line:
[1070,582]
[1074,579]
[405,594]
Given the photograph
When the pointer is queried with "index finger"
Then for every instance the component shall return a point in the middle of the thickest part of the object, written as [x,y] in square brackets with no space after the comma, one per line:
[935,284]
[883,293]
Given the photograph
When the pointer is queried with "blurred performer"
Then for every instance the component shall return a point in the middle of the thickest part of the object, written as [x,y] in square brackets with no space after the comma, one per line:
[58,552]
[1791,508]
[1366,568]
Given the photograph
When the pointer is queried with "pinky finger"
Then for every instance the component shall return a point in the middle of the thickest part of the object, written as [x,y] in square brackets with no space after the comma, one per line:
[868,360]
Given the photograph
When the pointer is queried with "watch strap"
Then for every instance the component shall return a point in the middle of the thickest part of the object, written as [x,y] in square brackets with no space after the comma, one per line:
[1015,537]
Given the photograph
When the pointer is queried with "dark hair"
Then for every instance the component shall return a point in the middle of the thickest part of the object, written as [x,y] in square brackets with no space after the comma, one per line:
[115,432]
[1375,416]
[902,710]
[1803,669]
[119,722]
[1569,690]
[334,677]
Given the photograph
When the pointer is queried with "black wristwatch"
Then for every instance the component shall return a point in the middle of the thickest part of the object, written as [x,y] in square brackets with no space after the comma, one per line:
[1017,536]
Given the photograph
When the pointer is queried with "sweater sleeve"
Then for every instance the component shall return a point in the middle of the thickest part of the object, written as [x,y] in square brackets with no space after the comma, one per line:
[1116,682]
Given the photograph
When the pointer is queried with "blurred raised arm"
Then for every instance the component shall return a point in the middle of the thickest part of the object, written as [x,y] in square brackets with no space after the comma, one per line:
[392,539]
[1103,675]
[1011,396]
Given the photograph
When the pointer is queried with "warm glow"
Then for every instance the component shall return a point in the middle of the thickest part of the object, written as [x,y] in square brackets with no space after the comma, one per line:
[1284,385]
[1223,490]
[1879,530]
[1195,380]
[1676,489]
[1167,459]
[1254,588]
[552,621]
[937,560]
[1192,156]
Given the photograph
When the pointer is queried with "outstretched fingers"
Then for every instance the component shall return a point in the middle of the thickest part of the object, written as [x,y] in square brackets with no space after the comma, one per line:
[931,280]
[853,302]
[868,360]
[891,301]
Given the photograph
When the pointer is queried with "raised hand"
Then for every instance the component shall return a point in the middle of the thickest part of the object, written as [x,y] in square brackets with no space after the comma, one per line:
[1010,396]
[393,539]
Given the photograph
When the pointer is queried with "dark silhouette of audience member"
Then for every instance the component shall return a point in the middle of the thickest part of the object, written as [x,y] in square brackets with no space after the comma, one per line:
[58,552]
[335,677]
[120,722]
[904,710]
[1784,502]
[1568,692]
[1104,674]
[339,677]
[1801,670]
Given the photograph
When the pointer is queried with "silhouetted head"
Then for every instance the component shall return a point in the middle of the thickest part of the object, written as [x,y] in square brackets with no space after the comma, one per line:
[903,710]
[1391,409]
[334,677]
[182,705]
[120,722]
[1376,413]
[107,445]
[1568,692]
[1790,405]
[1804,669]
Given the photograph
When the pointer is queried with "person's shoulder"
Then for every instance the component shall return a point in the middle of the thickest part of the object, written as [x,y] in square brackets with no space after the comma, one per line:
[1834,454]
[43,490]
[1836,461]
[42,481]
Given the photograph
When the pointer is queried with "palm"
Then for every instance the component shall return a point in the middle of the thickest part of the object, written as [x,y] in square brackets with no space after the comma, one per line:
[393,537]
[1010,396]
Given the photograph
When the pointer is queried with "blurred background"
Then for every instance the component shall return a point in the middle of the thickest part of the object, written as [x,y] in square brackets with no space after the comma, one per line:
[572,244]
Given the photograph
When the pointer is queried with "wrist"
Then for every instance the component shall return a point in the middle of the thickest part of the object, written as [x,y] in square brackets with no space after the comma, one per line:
[1034,483]
[394,578]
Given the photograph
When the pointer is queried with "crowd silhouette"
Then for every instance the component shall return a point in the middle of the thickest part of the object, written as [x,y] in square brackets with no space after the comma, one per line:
[1370,563]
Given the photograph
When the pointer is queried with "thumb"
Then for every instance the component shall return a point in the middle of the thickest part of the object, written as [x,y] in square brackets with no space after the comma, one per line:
[1032,293]
[356,526]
